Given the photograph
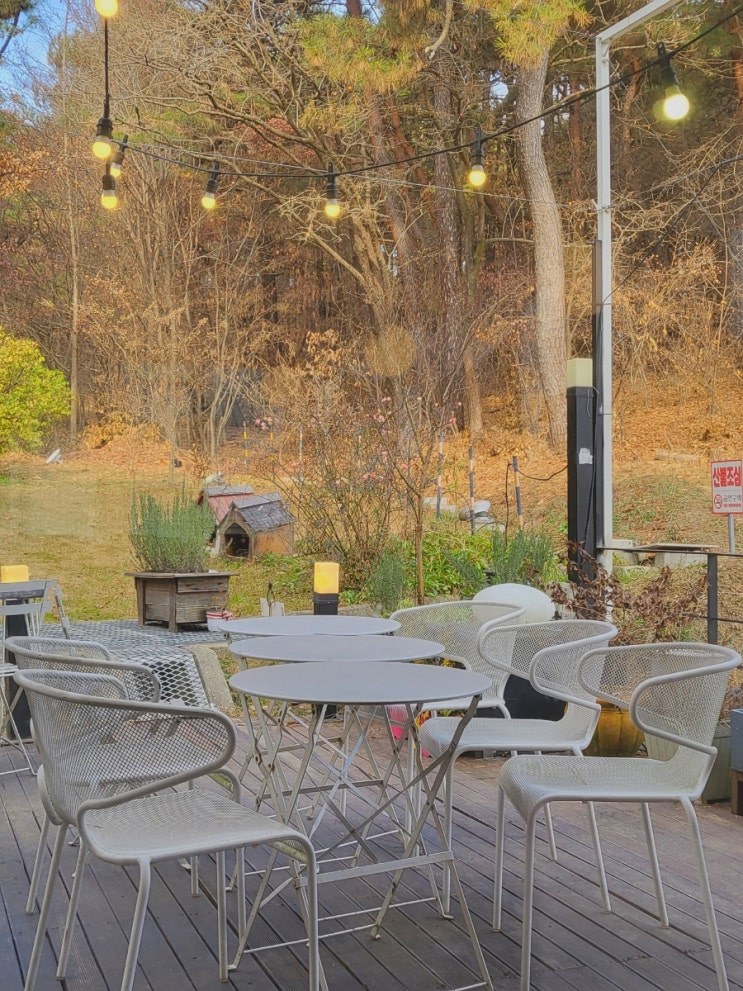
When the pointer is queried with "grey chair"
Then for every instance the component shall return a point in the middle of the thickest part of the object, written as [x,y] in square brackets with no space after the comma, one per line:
[673,691]
[62,654]
[548,655]
[112,766]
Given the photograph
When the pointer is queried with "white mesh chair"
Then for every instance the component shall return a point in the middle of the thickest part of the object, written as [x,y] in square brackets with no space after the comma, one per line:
[86,733]
[458,625]
[57,654]
[548,655]
[673,691]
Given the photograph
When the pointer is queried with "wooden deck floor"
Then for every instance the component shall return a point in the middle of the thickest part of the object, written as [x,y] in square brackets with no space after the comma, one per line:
[576,945]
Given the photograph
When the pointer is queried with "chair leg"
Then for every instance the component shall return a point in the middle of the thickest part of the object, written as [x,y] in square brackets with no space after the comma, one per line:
[500,822]
[140,912]
[528,906]
[33,964]
[33,888]
[69,927]
[591,808]
[313,938]
[709,908]
[655,865]
[221,916]
[448,814]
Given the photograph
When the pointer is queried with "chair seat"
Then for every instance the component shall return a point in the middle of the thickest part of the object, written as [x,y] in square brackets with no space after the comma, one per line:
[531,780]
[498,734]
[177,824]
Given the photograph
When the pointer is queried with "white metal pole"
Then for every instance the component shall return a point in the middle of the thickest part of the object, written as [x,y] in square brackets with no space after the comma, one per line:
[603,227]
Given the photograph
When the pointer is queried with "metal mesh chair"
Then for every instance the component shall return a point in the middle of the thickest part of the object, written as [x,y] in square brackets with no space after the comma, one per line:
[57,654]
[86,733]
[458,625]
[548,655]
[672,690]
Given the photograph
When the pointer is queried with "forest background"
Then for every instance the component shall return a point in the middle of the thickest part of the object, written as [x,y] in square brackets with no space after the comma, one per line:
[338,352]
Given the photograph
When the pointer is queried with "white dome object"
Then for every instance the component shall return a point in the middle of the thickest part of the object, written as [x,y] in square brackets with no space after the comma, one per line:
[538,606]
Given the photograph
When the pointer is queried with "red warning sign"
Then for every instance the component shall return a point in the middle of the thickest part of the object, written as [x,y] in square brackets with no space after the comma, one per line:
[727,486]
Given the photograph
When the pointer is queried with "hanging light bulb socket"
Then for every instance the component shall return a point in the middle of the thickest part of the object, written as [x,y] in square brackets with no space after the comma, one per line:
[674,105]
[117,160]
[209,199]
[477,176]
[109,199]
[332,206]
[102,145]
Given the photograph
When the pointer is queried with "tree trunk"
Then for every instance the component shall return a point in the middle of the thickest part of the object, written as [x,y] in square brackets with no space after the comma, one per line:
[548,249]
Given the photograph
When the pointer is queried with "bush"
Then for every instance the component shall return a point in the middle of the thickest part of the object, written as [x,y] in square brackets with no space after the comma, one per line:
[170,537]
[528,559]
[387,583]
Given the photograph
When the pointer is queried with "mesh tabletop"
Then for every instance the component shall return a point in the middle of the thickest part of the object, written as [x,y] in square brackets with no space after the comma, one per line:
[322,647]
[362,683]
[302,626]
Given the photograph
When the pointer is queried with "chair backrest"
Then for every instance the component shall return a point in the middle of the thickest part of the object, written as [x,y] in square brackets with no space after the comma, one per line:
[56,653]
[672,690]
[514,648]
[456,625]
[97,746]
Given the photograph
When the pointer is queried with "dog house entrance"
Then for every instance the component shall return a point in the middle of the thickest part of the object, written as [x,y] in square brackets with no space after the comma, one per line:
[236,542]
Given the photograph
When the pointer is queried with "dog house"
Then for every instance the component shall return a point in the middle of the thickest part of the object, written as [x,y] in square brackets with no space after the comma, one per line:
[255,525]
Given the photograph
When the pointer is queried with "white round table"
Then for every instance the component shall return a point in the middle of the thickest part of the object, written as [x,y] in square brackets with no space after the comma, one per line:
[363,683]
[303,626]
[321,647]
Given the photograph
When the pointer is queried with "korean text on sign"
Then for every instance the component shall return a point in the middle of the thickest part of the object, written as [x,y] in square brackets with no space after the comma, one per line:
[727,486]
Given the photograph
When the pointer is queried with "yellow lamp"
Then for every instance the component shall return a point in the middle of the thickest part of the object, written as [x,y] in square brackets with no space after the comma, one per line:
[14,573]
[326,584]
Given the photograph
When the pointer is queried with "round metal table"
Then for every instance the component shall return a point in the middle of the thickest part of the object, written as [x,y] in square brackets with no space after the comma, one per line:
[303,626]
[321,647]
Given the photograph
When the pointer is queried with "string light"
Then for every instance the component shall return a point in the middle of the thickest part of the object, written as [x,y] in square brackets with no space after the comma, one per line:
[209,199]
[107,8]
[477,175]
[102,146]
[674,105]
[118,159]
[332,206]
[109,199]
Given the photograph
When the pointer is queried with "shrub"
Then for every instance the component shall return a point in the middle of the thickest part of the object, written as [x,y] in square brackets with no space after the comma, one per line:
[387,582]
[170,537]
[528,559]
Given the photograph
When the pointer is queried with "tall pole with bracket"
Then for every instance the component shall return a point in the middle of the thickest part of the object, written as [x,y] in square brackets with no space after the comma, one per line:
[603,269]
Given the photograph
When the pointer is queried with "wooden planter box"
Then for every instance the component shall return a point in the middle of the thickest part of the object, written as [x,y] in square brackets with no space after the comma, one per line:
[179,599]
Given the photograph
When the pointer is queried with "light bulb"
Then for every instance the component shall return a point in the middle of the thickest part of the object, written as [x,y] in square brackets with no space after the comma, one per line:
[675,104]
[115,169]
[477,176]
[102,146]
[208,201]
[332,209]
[109,199]
[107,8]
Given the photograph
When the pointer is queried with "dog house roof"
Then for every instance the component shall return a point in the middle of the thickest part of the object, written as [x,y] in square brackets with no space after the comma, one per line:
[258,513]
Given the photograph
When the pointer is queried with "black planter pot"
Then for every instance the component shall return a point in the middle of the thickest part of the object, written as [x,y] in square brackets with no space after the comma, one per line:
[523,701]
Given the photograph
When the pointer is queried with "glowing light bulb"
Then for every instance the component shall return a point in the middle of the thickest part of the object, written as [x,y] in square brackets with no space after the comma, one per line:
[109,199]
[107,8]
[477,176]
[208,201]
[332,209]
[675,104]
[102,146]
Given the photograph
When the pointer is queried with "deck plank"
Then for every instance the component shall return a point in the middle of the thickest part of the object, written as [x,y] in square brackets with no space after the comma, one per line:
[576,943]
